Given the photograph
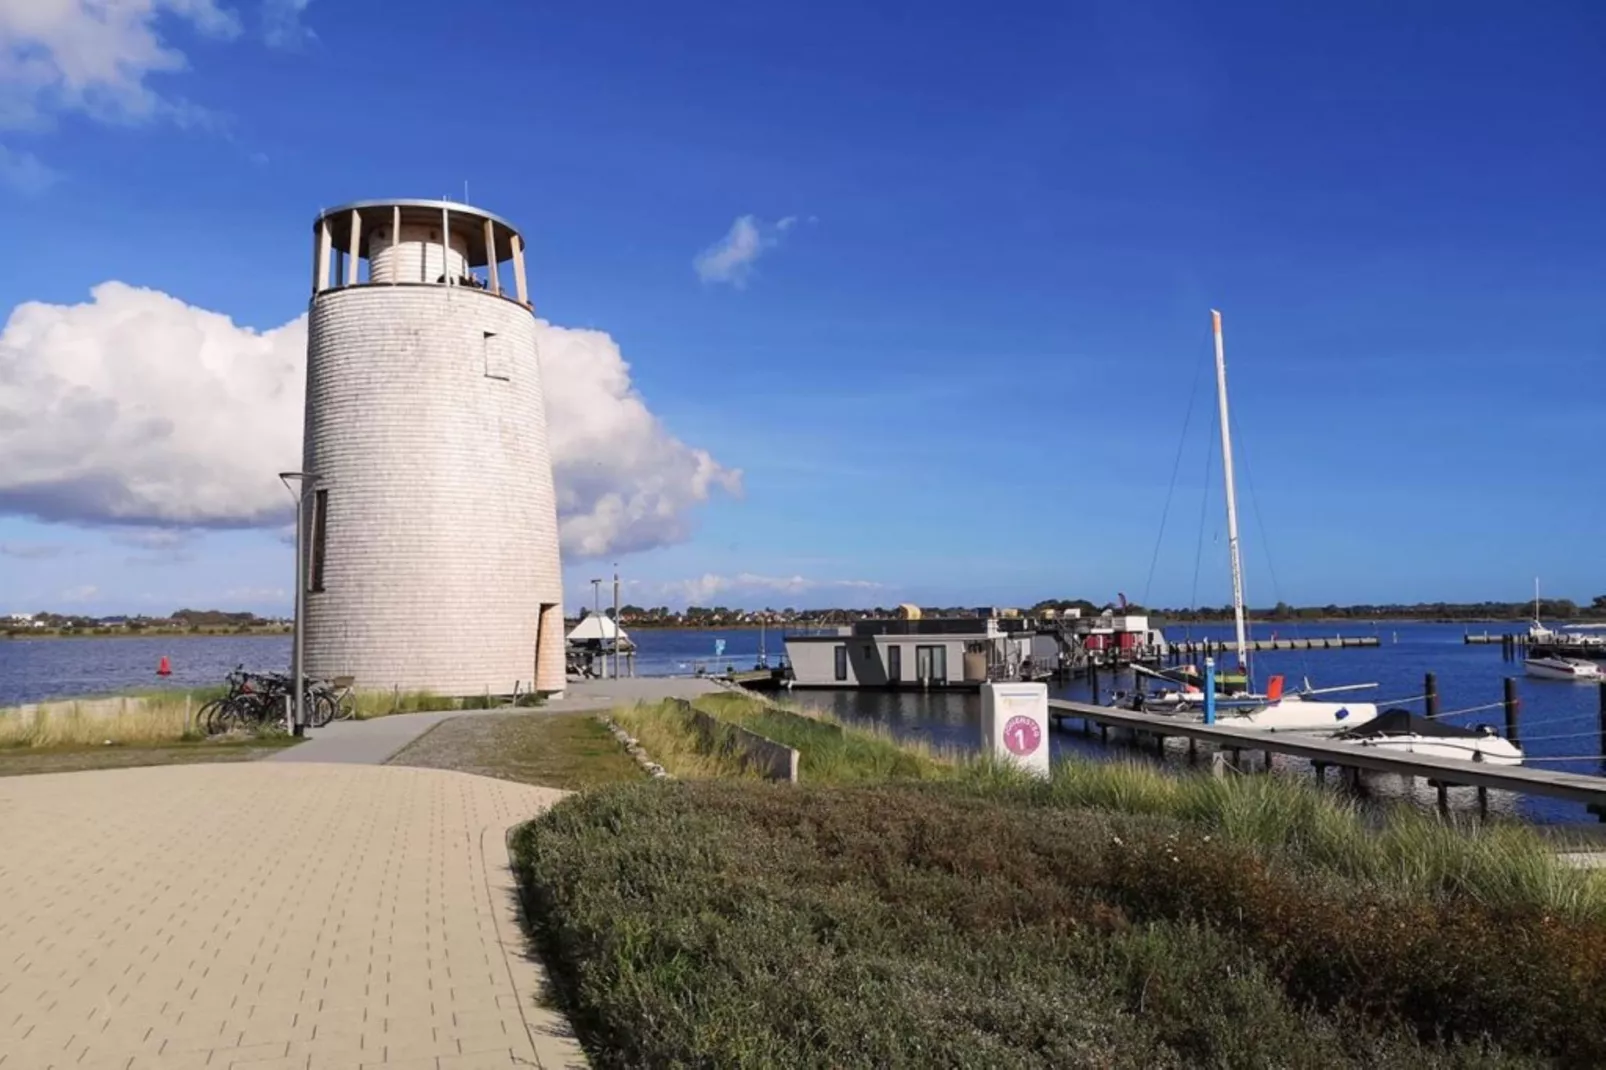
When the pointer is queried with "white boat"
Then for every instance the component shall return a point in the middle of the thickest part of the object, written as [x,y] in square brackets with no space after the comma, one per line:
[1296,713]
[1400,732]
[1560,668]
[1274,711]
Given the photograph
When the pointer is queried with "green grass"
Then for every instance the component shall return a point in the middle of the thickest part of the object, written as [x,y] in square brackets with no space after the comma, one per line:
[369,704]
[830,753]
[555,750]
[1405,850]
[150,717]
[978,922]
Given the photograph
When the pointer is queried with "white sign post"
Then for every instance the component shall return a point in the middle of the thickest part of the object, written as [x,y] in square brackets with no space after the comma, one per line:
[1014,725]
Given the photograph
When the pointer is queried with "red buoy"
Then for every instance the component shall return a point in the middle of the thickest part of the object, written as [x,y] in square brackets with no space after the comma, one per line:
[165,668]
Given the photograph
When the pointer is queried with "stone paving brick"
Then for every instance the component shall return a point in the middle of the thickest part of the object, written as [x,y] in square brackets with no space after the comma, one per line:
[267,916]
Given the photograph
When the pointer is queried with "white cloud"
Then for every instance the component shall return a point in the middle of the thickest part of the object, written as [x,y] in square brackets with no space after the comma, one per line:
[731,259]
[281,23]
[624,483]
[25,172]
[94,56]
[709,586]
[81,593]
[136,409]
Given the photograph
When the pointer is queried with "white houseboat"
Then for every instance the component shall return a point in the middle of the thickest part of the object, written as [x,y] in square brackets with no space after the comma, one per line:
[942,652]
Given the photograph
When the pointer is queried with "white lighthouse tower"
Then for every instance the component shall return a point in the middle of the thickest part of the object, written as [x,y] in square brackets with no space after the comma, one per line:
[432,538]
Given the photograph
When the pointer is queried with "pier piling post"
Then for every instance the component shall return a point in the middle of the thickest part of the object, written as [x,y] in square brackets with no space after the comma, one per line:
[1483,802]
[1430,689]
[1093,680]
[1512,704]
[1444,796]
[1603,717]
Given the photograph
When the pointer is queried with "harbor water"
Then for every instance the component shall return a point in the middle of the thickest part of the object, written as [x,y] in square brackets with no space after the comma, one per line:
[1559,722]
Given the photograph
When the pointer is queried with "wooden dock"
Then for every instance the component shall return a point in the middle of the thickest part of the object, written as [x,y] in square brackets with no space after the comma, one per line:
[1322,752]
[1332,642]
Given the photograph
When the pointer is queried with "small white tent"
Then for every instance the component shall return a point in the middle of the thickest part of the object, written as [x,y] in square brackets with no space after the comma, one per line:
[596,628]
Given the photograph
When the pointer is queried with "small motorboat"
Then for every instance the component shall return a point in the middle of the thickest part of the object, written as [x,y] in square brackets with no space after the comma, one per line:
[1556,667]
[1400,731]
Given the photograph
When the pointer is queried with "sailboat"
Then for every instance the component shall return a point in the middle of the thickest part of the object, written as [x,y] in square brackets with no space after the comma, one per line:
[1276,710]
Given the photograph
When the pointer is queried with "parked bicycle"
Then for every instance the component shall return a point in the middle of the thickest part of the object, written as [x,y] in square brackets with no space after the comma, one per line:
[256,700]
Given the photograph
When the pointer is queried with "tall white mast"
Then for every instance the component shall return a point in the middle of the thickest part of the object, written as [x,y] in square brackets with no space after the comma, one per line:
[1232,495]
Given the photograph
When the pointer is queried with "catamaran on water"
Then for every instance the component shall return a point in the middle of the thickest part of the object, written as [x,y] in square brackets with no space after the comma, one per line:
[1275,710]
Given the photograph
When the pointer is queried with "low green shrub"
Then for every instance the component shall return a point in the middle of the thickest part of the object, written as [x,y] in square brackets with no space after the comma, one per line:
[744,924]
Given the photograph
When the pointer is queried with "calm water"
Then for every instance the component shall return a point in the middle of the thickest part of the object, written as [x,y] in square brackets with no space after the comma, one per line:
[1559,719]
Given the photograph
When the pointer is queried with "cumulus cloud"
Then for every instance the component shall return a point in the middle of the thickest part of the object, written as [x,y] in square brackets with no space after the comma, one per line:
[624,483]
[709,586]
[138,410]
[731,259]
[94,56]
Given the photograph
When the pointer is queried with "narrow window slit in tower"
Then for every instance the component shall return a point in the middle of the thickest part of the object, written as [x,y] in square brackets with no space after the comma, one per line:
[320,528]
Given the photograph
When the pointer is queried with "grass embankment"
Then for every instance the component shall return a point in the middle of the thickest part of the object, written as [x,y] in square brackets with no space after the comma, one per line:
[155,728]
[146,718]
[1115,916]
[831,753]
[554,750]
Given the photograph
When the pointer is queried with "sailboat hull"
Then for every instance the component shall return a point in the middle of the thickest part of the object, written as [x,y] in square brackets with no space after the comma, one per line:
[1295,714]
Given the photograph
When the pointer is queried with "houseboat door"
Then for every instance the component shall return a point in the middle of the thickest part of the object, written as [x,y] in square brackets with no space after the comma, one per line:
[931,664]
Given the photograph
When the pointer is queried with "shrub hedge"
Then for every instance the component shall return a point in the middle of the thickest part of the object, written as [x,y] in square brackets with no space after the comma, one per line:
[737,924]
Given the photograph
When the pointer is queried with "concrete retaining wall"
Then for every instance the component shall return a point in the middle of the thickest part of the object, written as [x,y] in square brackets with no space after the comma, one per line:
[771,760]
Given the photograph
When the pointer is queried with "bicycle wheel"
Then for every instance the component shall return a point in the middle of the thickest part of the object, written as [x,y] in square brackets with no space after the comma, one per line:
[320,710]
[205,716]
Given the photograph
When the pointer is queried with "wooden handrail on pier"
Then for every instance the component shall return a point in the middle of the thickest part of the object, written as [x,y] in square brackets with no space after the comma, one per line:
[1322,752]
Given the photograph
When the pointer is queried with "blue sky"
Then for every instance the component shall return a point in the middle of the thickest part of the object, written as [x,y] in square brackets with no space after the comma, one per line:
[984,242]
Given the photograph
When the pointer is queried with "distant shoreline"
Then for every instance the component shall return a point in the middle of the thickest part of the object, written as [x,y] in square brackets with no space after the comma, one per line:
[217,633]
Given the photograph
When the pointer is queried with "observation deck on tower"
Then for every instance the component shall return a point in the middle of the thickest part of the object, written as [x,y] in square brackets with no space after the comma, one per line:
[417,243]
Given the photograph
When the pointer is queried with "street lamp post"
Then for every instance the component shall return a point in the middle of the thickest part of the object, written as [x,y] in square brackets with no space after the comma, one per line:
[304,482]
[616,675]
[596,611]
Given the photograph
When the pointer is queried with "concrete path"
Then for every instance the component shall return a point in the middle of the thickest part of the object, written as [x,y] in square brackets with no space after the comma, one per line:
[607,694]
[376,741]
[264,917]
[370,742]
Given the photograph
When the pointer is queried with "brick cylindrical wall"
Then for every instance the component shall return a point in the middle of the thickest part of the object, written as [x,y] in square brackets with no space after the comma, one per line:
[426,424]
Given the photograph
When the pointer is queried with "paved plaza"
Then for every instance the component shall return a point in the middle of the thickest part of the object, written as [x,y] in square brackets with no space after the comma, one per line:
[268,916]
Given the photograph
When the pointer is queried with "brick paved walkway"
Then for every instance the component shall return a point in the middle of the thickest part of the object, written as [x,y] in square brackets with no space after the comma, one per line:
[267,916]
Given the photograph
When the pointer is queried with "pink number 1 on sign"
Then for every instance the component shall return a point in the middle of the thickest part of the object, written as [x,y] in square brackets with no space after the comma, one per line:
[1022,735]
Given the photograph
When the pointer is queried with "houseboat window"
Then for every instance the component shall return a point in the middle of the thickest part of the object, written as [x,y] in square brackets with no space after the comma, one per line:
[931,664]
[841,663]
[894,663]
